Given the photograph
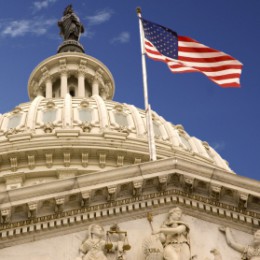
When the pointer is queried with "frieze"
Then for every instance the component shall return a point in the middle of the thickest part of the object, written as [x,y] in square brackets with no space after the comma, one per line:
[248,252]
[143,202]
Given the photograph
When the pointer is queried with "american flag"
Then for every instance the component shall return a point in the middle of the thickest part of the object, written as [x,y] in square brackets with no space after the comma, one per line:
[183,54]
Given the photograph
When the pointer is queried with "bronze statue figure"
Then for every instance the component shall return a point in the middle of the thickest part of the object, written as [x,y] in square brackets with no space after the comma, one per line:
[70,25]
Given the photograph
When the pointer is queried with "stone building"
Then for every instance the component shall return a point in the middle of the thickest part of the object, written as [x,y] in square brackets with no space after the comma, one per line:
[76,181]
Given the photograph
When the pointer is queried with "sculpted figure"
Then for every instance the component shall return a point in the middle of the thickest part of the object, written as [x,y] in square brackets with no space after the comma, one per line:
[93,247]
[117,243]
[70,25]
[174,235]
[249,252]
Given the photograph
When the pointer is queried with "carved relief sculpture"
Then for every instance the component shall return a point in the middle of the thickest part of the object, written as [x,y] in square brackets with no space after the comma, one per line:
[117,243]
[249,252]
[97,247]
[93,247]
[174,237]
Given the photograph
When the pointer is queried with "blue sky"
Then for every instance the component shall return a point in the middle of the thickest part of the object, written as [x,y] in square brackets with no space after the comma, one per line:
[228,119]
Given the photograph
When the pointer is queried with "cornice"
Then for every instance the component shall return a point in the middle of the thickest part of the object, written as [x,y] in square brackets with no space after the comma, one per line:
[75,199]
[123,210]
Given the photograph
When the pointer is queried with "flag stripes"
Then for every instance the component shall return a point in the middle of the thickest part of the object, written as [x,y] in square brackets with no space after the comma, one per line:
[193,56]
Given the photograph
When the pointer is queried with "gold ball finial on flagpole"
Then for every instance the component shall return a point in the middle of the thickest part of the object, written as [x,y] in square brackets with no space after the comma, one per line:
[138,10]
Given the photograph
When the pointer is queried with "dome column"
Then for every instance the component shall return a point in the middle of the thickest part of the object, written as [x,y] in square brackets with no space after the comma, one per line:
[47,80]
[96,83]
[64,83]
[81,84]
[48,86]
[95,87]
[81,78]
[63,78]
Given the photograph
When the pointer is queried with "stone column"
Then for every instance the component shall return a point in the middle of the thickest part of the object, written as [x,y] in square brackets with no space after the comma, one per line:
[95,87]
[81,84]
[64,83]
[48,85]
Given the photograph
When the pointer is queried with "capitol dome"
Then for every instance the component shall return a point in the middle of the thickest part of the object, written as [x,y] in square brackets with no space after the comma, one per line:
[72,159]
[73,123]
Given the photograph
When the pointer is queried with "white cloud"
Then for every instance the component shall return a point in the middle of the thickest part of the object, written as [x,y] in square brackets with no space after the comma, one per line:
[38,5]
[88,34]
[100,17]
[17,28]
[123,37]
[219,146]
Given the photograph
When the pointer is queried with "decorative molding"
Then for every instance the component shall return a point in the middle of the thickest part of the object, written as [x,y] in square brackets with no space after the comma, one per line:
[59,203]
[50,104]
[5,214]
[13,162]
[243,199]
[84,103]
[66,159]
[138,186]
[102,158]
[16,110]
[82,67]
[215,192]
[86,127]
[188,184]
[48,127]
[124,208]
[84,159]
[49,159]
[137,160]
[86,196]
[163,182]
[45,75]
[63,66]
[120,160]
[111,193]
[32,207]
[31,161]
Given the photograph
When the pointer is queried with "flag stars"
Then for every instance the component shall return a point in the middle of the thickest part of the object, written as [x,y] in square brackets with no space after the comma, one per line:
[163,39]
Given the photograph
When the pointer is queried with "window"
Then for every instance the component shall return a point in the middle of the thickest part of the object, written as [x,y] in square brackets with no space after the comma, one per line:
[121,119]
[72,91]
[156,129]
[185,142]
[85,115]
[49,116]
[14,121]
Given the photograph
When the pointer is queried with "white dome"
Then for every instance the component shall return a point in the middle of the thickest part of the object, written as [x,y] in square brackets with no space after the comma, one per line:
[49,137]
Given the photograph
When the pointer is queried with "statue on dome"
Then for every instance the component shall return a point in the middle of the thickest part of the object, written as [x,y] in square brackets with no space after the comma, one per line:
[249,252]
[70,25]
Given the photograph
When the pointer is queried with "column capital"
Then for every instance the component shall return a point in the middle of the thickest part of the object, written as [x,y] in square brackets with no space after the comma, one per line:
[64,72]
[81,72]
[63,66]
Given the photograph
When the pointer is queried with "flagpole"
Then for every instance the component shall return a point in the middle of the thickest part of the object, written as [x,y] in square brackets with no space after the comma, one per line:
[149,122]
